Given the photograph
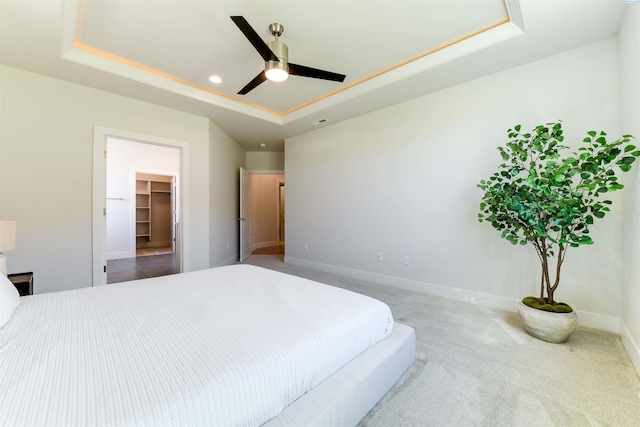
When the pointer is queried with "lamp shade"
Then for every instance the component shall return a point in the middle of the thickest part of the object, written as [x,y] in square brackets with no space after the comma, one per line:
[7,235]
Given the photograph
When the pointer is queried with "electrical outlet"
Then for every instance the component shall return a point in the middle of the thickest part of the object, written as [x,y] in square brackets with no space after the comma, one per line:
[379,256]
[306,247]
[227,245]
[405,260]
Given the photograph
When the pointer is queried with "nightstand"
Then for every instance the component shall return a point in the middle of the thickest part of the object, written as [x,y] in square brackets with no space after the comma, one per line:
[23,282]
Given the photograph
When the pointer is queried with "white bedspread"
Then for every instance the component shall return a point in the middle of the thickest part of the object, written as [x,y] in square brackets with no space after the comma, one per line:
[228,346]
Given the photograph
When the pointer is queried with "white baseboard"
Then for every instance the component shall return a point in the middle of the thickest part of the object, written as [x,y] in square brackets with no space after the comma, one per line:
[587,319]
[632,347]
[599,321]
[231,260]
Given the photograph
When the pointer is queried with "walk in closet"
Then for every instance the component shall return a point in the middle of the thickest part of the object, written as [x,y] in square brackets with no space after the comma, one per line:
[154,210]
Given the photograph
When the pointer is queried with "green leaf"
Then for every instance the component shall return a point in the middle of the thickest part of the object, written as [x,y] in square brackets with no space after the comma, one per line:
[627,160]
[586,240]
[541,191]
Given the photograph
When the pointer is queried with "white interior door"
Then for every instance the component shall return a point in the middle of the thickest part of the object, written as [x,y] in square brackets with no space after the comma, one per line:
[281,213]
[245,214]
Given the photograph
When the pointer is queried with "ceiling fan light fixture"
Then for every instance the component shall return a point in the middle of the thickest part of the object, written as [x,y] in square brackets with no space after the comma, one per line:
[276,58]
[276,71]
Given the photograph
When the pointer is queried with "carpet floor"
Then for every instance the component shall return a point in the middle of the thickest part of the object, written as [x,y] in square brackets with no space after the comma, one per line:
[475,366]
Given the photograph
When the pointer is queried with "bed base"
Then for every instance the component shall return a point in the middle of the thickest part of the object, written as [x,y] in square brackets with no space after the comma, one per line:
[345,397]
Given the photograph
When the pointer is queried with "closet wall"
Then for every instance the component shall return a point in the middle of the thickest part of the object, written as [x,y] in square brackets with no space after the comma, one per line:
[265,198]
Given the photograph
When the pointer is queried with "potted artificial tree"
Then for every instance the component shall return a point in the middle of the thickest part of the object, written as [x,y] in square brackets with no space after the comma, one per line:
[548,199]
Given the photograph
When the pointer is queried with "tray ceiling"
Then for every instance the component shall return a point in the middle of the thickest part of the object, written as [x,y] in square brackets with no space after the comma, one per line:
[164,51]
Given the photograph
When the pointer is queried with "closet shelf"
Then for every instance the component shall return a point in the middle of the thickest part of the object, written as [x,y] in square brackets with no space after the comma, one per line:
[153,209]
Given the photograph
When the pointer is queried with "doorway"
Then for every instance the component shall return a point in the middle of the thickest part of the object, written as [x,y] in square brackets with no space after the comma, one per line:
[266,212]
[142,209]
[99,204]
[144,225]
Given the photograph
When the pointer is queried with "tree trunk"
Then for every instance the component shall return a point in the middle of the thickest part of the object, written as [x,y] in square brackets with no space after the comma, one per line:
[559,261]
[546,282]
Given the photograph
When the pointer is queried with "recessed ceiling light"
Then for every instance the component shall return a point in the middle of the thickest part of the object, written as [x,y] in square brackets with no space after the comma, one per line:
[215,79]
[263,145]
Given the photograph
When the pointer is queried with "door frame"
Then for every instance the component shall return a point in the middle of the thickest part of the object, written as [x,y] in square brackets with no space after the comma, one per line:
[245,213]
[250,173]
[99,224]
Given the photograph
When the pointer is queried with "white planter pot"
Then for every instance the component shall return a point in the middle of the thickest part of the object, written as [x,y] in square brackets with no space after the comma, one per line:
[548,326]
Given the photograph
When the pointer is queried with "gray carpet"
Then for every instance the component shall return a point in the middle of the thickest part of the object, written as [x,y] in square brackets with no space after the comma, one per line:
[476,366]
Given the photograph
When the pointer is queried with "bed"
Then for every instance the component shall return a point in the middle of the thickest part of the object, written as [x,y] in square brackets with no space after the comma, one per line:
[230,346]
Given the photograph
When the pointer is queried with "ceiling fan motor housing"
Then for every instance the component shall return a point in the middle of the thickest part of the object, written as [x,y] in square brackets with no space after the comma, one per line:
[282,53]
[279,49]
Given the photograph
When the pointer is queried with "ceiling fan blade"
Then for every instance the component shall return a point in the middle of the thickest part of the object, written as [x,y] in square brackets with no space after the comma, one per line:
[301,70]
[253,83]
[253,37]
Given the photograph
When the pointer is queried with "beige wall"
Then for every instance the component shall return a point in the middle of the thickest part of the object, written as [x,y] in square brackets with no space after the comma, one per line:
[46,146]
[265,161]
[402,181]
[630,117]
[264,202]
[226,159]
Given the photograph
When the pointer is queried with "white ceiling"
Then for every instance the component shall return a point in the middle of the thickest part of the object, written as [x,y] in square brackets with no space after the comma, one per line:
[163,51]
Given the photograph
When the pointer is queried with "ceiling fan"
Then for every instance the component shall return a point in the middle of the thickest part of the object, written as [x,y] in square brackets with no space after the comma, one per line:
[276,58]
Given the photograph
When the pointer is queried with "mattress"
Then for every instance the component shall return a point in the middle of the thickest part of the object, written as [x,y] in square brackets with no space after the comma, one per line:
[227,346]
